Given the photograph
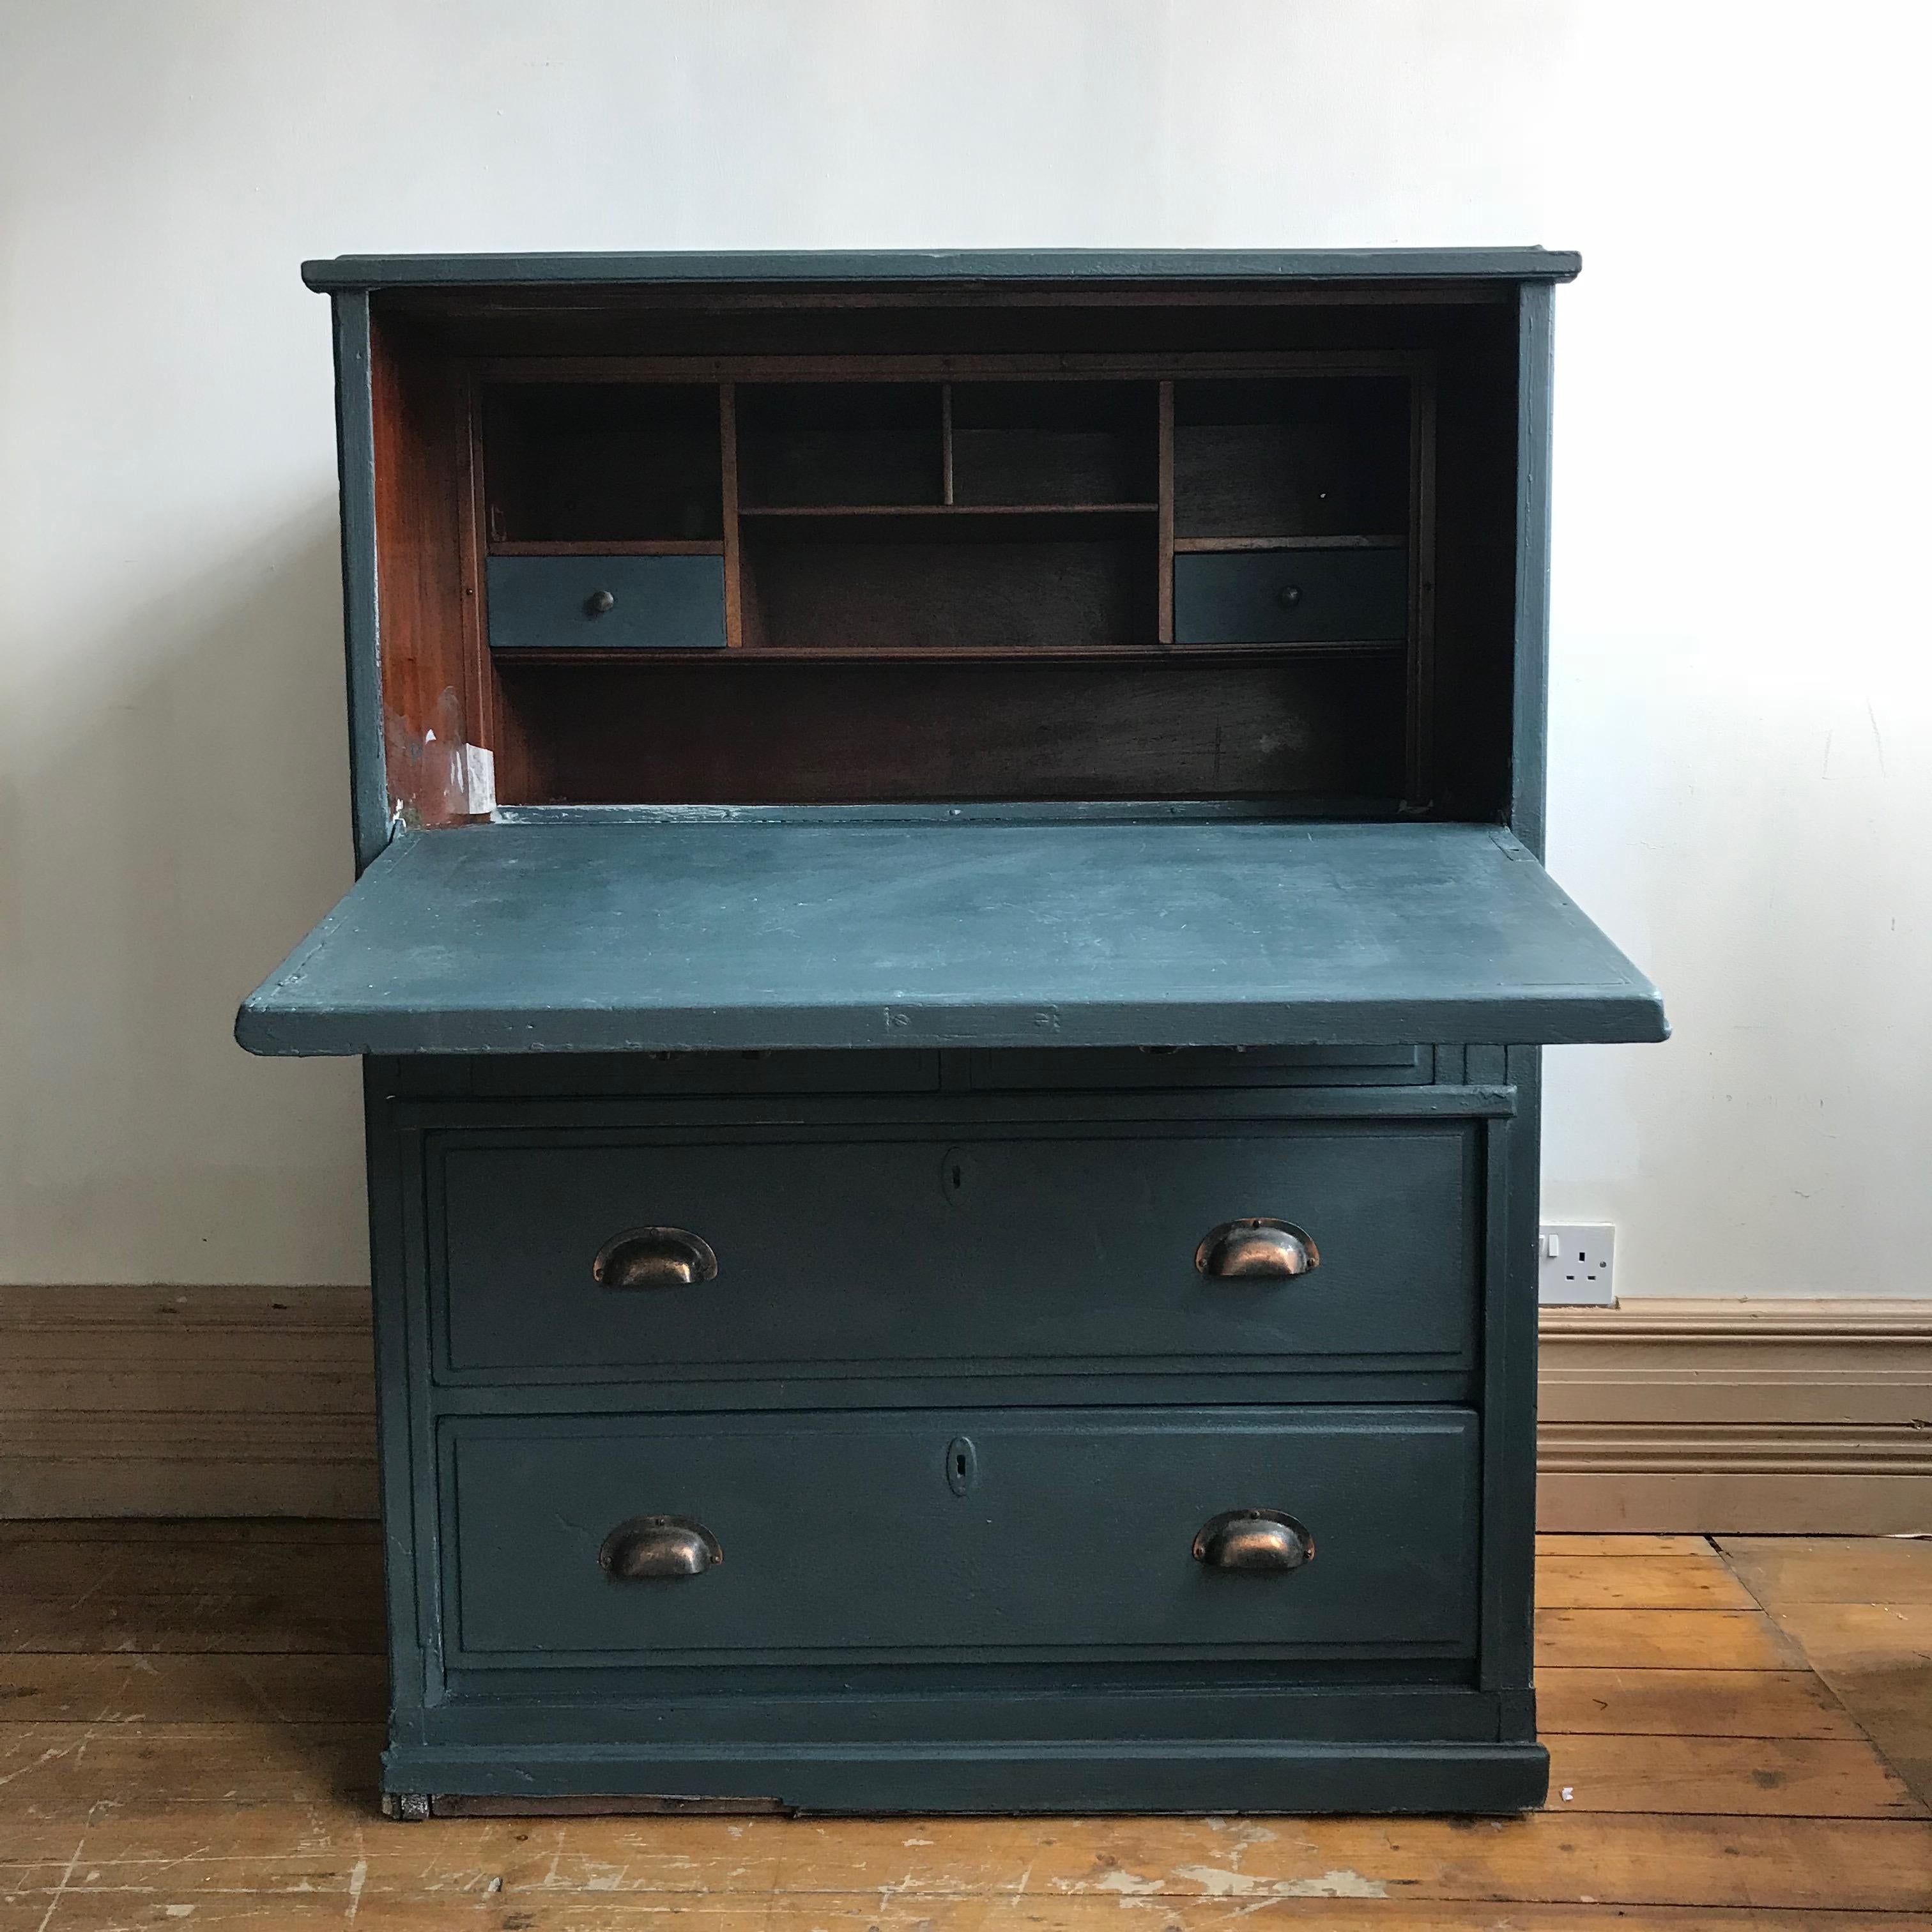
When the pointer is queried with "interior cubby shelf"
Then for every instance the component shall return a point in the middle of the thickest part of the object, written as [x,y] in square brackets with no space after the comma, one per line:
[1183,545]
[945,511]
[612,547]
[1159,582]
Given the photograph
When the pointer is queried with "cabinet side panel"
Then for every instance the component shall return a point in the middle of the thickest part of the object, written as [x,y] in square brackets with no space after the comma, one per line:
[434,701]
[355,462]
[1529,728]
[390,1178]
[1509,1386]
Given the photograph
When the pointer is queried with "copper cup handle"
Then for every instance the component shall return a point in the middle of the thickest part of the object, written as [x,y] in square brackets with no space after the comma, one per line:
[654,1258]
[1254,1542]
[648,1546]
[1256,1249]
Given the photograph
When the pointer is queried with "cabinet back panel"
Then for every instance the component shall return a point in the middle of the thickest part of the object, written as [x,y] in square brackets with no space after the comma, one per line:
[728,733]
[616,461]
[808,444]
[949,593]
[1322,456]
[1055,443]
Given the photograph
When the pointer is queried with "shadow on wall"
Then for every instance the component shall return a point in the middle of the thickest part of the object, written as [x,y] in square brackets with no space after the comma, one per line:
[175,818]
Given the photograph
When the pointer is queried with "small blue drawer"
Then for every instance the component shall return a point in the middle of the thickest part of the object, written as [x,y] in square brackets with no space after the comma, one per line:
[606,603]
[1291,597]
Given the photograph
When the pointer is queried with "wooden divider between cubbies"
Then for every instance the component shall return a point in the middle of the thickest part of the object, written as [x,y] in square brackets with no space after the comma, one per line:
[945,483]
[1164,559]
[734,591]
[1419,751]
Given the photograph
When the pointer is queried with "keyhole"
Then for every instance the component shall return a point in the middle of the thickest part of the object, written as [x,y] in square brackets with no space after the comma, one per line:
[955,1173]
[962,1465]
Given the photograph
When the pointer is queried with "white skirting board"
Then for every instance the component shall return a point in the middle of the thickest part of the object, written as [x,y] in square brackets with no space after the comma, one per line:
[1746,1417]
[1684,1415]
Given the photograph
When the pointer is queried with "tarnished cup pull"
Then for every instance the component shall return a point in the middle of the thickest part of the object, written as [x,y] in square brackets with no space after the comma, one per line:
[658,1546]
[1256,1542]
[654,1258]
[1258,1250]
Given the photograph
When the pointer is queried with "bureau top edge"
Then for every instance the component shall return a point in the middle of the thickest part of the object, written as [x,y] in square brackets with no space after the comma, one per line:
[346,273]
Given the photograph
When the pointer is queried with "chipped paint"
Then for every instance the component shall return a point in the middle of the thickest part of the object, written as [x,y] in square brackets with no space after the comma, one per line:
[1135,1894]
[1220,1882]
[436,777]
[1126,1881]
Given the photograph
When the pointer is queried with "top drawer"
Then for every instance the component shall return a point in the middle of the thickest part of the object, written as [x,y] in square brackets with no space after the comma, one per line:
[928,1252]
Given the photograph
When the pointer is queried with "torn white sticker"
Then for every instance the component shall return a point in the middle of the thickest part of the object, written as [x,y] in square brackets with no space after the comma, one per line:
[479,779]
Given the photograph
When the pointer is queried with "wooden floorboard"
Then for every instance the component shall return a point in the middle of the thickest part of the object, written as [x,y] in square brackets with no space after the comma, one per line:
[1833,1569]
[190,1717]
[179,1531]
[1859,1609]
[83,1910]
[1664,1639]
[60,1771]
[1687,1703]
[1573,1542]
[149,1568]
[1771,1777]
[140,1687]
[184,1854]
[1688,1583]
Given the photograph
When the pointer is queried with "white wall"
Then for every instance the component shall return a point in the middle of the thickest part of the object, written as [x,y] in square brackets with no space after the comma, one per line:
[1741,695]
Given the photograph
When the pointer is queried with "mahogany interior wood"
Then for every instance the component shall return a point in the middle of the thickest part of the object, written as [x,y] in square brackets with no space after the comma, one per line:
[811,444]
[437,686]
[949,569]
[900,593]
[740,732]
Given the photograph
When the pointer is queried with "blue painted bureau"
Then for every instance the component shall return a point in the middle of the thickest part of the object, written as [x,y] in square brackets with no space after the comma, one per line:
[949,955]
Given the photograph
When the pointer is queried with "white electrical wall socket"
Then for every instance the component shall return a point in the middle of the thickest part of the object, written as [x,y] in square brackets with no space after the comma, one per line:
[1573,1263]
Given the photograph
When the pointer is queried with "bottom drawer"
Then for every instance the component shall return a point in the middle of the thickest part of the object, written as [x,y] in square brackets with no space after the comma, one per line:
[985,1533]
